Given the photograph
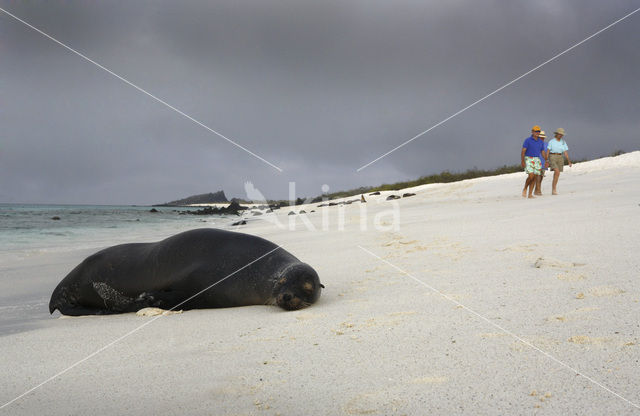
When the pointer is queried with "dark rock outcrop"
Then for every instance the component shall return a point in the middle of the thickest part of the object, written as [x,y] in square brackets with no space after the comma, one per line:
[233,208]
[210,198]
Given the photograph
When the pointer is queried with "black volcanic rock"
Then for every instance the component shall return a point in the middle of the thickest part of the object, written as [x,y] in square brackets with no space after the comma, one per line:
[233,208]
[210,198]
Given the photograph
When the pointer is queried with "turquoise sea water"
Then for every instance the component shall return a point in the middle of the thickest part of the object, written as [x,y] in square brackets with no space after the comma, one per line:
[31,243]
[31,228]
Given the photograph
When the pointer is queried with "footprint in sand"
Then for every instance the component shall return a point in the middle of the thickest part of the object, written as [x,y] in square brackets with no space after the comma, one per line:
[605,291]
[585,340]
[441,247]
[571,316]
[519,248]
[390,320]
[595,341]
[570,277]
[546,262]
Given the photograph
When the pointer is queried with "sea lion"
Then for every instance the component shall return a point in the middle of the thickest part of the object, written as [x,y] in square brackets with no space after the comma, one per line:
[203,268]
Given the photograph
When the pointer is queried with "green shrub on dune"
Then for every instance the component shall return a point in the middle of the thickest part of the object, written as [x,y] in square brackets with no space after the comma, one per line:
[443,177]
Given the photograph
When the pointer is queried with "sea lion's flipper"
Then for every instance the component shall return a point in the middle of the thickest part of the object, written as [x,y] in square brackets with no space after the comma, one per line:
[113,300]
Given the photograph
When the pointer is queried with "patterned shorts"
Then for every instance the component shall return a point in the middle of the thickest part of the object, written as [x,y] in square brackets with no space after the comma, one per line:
[532,165]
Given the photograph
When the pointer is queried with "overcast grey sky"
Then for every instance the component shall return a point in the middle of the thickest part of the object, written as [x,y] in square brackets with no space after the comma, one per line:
[318,88]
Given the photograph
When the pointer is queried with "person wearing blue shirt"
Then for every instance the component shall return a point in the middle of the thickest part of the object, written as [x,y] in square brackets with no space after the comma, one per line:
[530,159]
[558,150]
[544,156]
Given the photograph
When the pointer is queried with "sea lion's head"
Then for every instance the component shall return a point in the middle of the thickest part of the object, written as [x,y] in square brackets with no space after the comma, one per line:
[298,286]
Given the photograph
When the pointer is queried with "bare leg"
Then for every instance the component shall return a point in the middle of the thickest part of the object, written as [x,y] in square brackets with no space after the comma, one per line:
[556,176]
[527,181]
[538,184]
[531,180]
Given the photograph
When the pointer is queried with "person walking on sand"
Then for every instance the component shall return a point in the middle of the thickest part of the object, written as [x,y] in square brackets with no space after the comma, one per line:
[544,158]
[558,150]
[530,159]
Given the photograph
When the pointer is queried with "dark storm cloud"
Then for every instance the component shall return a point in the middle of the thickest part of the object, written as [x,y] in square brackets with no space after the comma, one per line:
[317,88]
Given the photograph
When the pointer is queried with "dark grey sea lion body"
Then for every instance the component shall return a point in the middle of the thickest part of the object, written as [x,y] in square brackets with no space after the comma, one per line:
[229,268]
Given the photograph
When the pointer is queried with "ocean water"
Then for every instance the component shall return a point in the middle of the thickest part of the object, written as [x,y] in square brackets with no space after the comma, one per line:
[28,237]
[30,229]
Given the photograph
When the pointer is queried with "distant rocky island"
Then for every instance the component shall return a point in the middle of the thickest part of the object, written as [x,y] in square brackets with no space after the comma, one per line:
[210,198]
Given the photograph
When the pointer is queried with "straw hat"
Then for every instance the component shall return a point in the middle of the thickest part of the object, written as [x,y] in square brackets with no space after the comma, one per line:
[542,135]
[560,131]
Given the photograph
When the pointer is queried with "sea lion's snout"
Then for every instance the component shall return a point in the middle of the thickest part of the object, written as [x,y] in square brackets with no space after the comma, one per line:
[298,287]
[290,302]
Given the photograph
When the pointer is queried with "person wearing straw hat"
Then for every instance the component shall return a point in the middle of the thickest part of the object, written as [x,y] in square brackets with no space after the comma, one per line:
[544,159]
[558,150]
[530,160]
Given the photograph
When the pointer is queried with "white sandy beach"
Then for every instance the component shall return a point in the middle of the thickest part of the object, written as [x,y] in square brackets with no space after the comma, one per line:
[503,301]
